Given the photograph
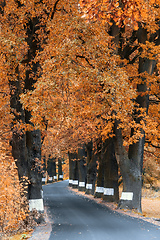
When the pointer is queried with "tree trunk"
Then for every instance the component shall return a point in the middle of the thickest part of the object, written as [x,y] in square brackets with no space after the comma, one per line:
[91,169]
[111,190]
[82,171]
[33,142]
[51,169]
[72,158]
[100,176]
[33,146]
[45,174]
[60,174]
[131,172]
[18,141]
[26,149]
[75,173]
[54,170]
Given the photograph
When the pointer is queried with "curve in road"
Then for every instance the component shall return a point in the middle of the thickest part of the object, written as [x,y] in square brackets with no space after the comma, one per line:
[76,217]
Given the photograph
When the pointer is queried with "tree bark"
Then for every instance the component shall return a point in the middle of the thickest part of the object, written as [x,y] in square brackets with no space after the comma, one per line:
[33,138]
[54,172]
[72,157]
[91,169]
[75,173]
[60,173]
[111,189]
[33,146]
[82,171]
[100,174]
[18,141]
[131,173]
[33,143]
[51,169]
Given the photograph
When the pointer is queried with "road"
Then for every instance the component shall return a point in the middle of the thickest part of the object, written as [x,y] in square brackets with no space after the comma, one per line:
[76,217]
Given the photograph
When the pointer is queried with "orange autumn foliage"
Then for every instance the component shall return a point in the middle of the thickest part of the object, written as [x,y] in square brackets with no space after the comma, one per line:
[13,209]
[82,77]
[85,86]
[128,13]
[86,80]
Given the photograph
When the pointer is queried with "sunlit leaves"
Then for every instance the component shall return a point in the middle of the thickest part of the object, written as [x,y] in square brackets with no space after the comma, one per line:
[128,13]
[83,84]
[12,204]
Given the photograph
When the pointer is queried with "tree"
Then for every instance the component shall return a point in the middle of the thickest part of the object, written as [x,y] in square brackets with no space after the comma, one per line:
[22,37]
[111,190]
[82,171]
[100,172]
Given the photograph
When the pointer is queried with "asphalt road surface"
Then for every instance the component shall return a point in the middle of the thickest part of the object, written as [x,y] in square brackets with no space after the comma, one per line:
[76,217]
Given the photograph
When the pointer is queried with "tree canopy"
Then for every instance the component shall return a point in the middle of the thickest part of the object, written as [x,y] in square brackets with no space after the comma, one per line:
[79,71]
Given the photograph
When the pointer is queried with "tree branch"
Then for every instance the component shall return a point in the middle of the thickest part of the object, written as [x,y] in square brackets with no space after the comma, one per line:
[54,9]
[154,101]
[152,153]
[153,145]
[80,56]
[46,125]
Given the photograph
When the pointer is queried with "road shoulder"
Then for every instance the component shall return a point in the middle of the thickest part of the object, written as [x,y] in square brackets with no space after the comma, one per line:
[43,230]
[113,207]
